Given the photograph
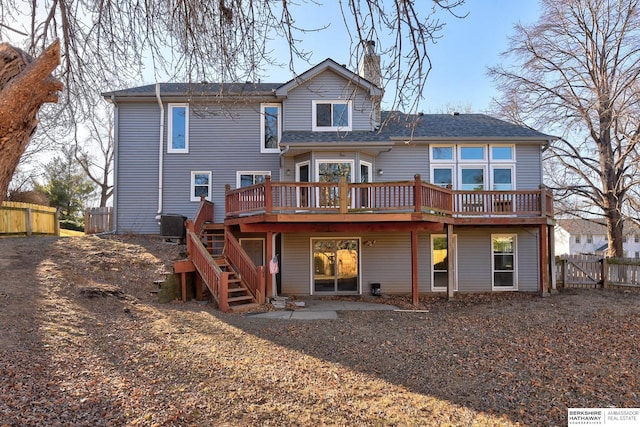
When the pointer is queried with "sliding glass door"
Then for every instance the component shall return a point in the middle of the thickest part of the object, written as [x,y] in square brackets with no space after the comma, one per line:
[336,265]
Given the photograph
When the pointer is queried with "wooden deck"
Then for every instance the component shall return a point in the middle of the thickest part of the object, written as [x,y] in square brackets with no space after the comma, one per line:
[383,202]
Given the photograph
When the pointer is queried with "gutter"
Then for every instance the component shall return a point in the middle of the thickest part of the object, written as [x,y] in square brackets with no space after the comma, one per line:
[160,152]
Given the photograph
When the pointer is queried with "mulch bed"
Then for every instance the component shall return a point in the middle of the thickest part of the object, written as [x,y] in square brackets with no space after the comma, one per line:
[85,342]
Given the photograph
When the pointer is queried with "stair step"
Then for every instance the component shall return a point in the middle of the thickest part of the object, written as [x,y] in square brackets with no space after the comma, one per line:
[238,289]
[240,298]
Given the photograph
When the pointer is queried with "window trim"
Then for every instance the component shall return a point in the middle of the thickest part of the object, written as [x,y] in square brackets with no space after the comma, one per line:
[483,166]
[263,148]
[171,107]
[465,161]
[192,196]
[314,111]
[512,167]
[513,153]
[311,266]
[254,173]
[514,286]
[453,153]
[450,166]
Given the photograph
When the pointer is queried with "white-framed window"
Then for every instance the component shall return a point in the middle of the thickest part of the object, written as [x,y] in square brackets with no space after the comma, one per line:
[589,238]
[247,178]
[472,177]
[504,262]
[472,153]
[443,176]
[502,178]
[577,239]
[270,128]
[502,153]
[636,238]
[440,262]
[200,185]
[331,116]
[178,128]
[443,153]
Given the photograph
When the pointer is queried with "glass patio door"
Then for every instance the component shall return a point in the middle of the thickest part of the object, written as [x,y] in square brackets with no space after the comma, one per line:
[331,172]
[335,266]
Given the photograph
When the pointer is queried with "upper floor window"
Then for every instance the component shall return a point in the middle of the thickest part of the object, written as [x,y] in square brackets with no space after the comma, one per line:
[501,153]
[442,153]
[271,128]
[178,129]
[200,185]
[331,115]
[472,153]
[577,239]
[589,238]
[245,179]
[636,238]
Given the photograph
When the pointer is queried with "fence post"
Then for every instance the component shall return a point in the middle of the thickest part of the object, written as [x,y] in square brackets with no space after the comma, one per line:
[605,267]
[564,272]
[28,219]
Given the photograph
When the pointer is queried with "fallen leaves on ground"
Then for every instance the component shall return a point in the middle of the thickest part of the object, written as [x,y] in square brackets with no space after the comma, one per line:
[84,342]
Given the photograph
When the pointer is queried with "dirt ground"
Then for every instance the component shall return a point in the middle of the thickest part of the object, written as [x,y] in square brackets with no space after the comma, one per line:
[84,341]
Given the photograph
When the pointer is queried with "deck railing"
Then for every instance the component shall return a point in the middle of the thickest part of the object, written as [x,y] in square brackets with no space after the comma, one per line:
[252,276]
[216,280]
[383,197]
[203,215]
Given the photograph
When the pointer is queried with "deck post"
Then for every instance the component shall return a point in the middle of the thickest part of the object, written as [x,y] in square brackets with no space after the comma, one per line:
[417,193]
[544,260]
[343,194]
[268,194]
[451,265]
[414,267]
[268,277]
[543,200]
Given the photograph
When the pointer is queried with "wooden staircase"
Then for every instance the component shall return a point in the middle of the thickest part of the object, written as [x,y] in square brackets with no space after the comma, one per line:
[220,262]
[239,297]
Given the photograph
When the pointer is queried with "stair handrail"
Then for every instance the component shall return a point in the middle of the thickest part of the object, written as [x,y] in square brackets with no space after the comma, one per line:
[217,281]
[252,276]
[204,214]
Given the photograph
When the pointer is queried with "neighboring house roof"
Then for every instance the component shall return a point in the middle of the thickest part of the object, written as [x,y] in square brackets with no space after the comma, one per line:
[579,226]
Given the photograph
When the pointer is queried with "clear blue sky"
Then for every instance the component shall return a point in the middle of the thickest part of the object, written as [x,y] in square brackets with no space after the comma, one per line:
[460,58]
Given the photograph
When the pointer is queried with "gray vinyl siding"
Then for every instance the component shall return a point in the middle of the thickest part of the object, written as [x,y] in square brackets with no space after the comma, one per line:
[223,141]
[136,196]
[297,109]
[528,167]
[403,163]
[388,260]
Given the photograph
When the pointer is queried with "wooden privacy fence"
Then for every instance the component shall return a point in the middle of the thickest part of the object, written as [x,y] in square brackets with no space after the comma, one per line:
[590,271]
[98,220]
[28,218]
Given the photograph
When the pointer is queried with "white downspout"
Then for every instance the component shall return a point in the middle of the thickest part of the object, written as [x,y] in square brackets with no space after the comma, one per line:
[161,152]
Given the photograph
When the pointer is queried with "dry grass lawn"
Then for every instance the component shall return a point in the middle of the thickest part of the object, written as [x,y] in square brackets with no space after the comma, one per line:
[84,342]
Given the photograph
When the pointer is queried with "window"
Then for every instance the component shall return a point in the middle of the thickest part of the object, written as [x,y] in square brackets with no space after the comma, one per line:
[271,128]
[442,177]
[503,261]
[472,178]
[502,179]
[636,238]
[442,153]
[637,255]
[331,115]
[335,266]
[440,262]
[624,239]
[472,153]
[501,153]
[200,186]
[589,238]
[245,179]
[178,129]
[577,239]
[332,171]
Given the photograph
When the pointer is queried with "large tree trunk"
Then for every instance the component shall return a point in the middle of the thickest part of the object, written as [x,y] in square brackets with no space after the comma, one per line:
[25,84]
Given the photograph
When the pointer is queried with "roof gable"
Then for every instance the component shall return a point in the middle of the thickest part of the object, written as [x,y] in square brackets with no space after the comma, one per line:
[329,64]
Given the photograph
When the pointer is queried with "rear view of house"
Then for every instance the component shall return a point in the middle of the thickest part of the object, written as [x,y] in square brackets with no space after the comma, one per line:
[345,198]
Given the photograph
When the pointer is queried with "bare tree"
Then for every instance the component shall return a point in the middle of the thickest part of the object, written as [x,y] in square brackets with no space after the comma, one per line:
[25,84]
[575,74]
[108,44]
[95,154]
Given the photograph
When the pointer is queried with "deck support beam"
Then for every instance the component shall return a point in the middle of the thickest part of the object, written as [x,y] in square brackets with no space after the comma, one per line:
[414,267]
[451,265]
[544,259]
